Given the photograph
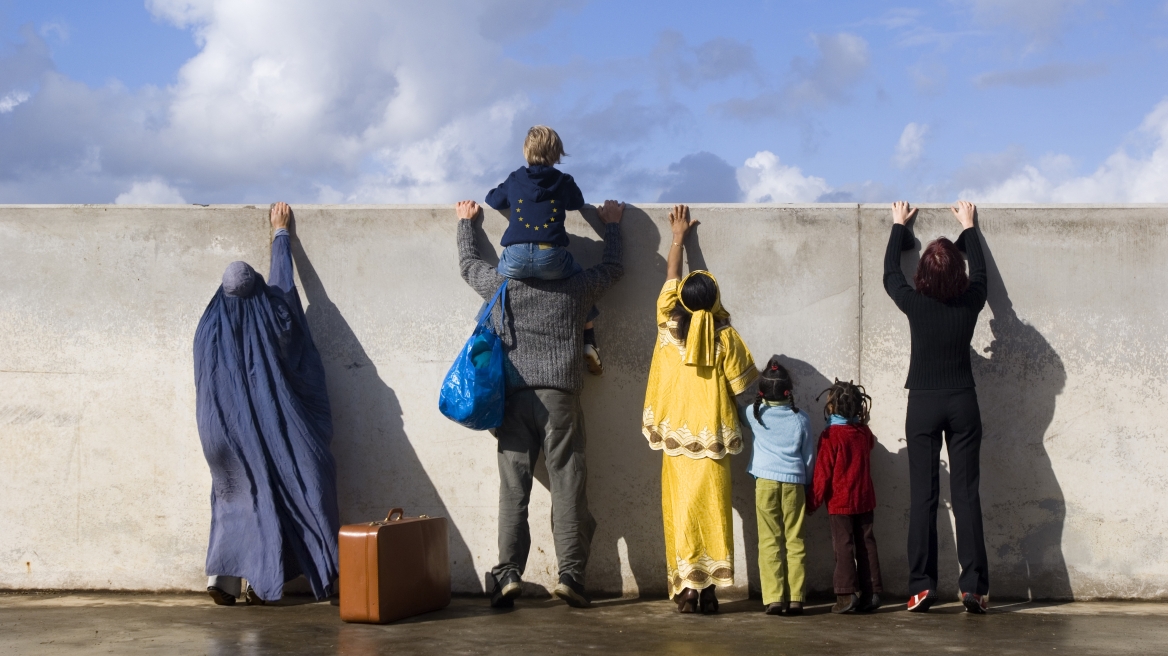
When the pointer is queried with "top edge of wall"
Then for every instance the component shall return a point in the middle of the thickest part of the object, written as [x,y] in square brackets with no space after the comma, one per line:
[450,206]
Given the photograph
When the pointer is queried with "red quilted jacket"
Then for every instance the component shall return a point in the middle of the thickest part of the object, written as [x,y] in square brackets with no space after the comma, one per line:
[843,473]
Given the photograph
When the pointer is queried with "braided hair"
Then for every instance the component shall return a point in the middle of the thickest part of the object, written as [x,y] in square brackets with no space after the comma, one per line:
[847,400]
[774,384]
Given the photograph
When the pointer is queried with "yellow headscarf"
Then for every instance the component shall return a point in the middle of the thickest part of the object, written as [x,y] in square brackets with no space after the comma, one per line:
[699,342]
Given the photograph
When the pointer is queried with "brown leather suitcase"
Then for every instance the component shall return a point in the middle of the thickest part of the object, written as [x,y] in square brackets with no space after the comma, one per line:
[395,568]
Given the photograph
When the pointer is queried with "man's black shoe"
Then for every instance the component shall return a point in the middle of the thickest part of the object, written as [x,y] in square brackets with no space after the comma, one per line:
[572,592]
[506,590]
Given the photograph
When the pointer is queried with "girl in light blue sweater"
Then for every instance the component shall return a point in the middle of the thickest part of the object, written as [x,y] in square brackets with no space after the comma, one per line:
[782,462]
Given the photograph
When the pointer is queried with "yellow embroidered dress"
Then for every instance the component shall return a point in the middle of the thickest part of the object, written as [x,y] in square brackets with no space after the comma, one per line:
[690,414]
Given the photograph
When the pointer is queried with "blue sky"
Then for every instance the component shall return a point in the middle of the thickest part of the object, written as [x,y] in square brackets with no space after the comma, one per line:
[221,101]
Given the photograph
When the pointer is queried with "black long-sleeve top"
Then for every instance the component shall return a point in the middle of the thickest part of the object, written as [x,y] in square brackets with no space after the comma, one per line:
[941,331]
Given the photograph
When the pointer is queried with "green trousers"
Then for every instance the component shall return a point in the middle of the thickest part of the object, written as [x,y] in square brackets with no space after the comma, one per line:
[780,508]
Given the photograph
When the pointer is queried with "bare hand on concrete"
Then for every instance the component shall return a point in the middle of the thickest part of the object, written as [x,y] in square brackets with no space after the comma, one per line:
[901,213]
[611,211]
[467,210]
[281,214]
[680,222]
[965,211]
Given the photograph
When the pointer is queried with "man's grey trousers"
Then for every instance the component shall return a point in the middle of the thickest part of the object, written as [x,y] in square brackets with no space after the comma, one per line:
[552,420]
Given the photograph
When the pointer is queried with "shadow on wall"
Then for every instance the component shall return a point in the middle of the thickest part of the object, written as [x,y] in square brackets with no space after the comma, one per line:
[377,468]
[1019,378]
[1023,504]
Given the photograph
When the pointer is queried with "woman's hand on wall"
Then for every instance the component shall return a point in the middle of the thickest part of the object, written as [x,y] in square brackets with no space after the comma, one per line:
[466,210]
[902,213]
[964,211]
[680,222]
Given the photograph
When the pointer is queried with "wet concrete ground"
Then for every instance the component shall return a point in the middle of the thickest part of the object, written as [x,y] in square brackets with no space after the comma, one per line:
[190,624]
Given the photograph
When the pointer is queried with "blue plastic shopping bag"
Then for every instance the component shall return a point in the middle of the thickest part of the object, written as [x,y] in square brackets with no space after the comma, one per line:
[475,387]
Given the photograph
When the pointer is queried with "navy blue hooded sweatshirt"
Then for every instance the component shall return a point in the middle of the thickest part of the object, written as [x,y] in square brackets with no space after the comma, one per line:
[538,197]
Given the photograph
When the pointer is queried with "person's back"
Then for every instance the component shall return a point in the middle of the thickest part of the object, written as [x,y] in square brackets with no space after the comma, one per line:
[941,325]
[781,464]
[843,477]
[264,421]
[542,411]
[535,242]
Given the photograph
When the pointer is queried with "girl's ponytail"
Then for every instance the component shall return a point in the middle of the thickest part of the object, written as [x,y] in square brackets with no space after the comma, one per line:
[774,384]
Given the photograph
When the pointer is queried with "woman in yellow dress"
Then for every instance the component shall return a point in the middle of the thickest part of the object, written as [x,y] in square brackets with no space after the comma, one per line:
[699,365]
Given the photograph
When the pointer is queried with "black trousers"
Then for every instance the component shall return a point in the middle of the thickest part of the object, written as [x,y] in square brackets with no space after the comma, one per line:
[955,414]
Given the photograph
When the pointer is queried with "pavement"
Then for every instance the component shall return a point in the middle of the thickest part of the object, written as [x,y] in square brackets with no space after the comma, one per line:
[130,624]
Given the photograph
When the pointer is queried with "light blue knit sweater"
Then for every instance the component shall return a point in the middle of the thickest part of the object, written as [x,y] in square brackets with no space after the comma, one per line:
[783,447]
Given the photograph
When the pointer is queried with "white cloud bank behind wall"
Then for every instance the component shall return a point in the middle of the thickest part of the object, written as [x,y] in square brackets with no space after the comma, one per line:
[352,101]
[1122,178]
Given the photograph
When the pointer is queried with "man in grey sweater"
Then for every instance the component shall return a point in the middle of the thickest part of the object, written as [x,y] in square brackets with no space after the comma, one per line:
[543,341]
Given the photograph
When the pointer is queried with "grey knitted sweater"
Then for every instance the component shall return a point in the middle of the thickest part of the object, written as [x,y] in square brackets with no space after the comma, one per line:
[543,334]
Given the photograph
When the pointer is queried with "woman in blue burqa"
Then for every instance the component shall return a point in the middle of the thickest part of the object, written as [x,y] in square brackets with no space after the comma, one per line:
[265,425]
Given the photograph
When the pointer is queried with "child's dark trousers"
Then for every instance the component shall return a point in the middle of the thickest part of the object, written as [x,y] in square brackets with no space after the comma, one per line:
[857,564]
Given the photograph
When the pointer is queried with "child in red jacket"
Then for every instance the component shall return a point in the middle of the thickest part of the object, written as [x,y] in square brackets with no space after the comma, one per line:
[843,480]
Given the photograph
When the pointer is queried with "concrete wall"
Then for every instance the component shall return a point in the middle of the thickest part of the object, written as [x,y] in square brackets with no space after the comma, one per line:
[103,484]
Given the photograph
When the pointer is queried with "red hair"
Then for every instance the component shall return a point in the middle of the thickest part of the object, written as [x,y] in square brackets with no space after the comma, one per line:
[941,273]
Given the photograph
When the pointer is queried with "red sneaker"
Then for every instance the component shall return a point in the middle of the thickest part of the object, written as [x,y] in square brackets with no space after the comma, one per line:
[921,601]
[975,603]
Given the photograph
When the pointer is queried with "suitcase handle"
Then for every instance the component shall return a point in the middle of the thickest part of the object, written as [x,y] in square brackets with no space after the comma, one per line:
[400,514]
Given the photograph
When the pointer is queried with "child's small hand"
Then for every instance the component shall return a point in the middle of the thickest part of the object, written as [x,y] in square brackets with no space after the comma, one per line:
[901,214]
[680,222]
[466,209]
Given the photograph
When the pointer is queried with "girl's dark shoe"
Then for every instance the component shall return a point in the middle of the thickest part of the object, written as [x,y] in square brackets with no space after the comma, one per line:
[708,601]
[871,603]
[777,608]
[687,601]
[845,603]
[221,598]
[796,608]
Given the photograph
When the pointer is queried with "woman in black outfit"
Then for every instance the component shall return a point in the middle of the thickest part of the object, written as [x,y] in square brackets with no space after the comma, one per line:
[942,312]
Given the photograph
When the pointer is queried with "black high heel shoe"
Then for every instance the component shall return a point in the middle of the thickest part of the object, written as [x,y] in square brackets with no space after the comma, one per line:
[687,601]
[708,601]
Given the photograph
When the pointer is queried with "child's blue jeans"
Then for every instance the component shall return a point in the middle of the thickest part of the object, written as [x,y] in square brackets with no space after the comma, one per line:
[540,261]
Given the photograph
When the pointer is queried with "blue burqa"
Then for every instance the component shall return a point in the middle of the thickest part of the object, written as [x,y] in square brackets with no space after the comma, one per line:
[264,421]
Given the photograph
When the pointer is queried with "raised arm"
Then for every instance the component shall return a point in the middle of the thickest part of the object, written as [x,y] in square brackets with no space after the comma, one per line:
[679,226]
[894,282]
[280,273]
[482,277]
[604,275]
[497,197]
[969,242]
[575,197]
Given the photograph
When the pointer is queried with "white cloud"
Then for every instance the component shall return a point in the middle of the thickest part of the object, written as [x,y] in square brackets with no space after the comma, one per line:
[911,146]
[1122,178]
[764,179]
[348,97]
[150,192]
[10,101]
